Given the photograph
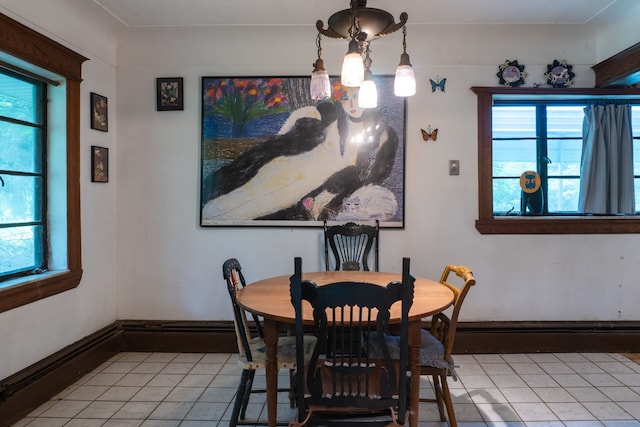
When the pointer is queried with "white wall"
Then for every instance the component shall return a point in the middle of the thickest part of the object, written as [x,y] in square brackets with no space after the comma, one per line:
[145,257]
[32,332]
[169,268]
[612,39]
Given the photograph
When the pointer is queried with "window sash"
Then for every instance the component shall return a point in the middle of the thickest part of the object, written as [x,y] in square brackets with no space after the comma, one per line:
[23,207]
[545,136]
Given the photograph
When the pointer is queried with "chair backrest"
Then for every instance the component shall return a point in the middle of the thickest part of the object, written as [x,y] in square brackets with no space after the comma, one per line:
[442,326]
[232,274]
[351,245]
[350,319]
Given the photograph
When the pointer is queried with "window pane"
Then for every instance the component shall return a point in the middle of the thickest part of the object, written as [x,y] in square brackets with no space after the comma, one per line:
[17,249]
[564,121]
[21,170]
[511,121]
[18,151]
[18,99]
[635,127]
[506,195]
[565,156]
[635,120]
[18,202]
[511,158]
[563,195]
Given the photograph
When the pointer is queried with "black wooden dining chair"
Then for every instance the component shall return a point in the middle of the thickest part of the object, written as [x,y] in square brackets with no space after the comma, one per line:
[251,350]
[344,385]
[438,340]
[351,245]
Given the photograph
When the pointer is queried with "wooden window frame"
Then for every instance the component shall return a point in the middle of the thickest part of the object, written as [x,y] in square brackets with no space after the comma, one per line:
[34,48]
[487,223]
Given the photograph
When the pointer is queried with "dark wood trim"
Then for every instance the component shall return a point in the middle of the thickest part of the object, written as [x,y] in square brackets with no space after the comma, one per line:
[29,388]
[487,223]
[547,337]
[622,69]
[27,45]
[22,42]
[558,225]
[24,391]
[184,337]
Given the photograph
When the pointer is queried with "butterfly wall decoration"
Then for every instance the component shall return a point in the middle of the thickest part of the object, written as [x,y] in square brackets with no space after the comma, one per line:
[429,134]
[437,84]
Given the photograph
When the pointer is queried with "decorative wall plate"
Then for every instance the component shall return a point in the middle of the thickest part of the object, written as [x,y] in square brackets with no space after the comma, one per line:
[559,74]
[511,73]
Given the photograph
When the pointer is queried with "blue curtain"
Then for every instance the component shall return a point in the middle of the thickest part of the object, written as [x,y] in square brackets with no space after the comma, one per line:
[606,172]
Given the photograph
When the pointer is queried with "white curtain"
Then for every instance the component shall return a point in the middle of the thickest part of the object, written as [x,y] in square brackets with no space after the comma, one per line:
[606,172]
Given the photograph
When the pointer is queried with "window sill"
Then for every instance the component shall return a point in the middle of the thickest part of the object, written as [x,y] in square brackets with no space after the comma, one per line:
[559,225]
[17,292]
[28,280]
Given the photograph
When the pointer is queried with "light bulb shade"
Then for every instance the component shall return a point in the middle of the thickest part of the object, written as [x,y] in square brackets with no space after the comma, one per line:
[405,81]
[352,70]
[320,85]
[368,95]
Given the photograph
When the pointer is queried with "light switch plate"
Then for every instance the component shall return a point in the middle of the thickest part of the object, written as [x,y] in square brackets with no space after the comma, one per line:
[454,167]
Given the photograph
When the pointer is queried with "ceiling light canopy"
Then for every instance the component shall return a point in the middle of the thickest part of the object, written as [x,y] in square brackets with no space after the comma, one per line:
[360,25]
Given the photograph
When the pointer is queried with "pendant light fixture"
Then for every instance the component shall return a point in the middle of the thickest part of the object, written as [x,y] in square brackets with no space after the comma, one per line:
[360,25]
[368,94]
[320,85]
[405,81]
[352,66]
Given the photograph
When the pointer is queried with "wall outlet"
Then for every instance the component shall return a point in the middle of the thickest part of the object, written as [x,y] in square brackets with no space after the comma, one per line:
[454,167]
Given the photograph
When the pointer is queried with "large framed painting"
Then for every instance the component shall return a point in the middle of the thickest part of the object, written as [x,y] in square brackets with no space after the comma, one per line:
[272,156]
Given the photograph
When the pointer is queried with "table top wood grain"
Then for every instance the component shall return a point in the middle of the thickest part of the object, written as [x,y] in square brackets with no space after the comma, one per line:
[271,297]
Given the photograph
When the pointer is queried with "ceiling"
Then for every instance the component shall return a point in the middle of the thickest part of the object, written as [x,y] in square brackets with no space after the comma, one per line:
[172,13]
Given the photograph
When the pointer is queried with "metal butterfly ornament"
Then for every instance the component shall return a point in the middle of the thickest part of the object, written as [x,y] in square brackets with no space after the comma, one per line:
[438,84]
[429,134]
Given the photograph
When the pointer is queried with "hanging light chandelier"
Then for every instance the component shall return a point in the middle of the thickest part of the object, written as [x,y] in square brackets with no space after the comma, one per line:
[360,25]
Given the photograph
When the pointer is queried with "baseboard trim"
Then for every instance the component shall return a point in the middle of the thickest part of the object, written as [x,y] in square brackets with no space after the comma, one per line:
[548,337]
[178,336]
[26,390]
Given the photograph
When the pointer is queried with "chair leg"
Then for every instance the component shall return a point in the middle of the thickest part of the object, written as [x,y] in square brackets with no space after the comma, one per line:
[449,403]
[292,388]
[235,414]
[247,393]
[437,387]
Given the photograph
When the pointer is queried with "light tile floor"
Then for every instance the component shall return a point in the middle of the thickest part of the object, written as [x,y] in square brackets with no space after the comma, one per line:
[192,390]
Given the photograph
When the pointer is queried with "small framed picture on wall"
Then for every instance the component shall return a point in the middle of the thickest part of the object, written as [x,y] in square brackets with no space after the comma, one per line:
[99,113]
[169,94]
[99,164]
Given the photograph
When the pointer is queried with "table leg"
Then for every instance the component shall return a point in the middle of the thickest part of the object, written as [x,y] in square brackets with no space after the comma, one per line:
[414,367]
[271,347]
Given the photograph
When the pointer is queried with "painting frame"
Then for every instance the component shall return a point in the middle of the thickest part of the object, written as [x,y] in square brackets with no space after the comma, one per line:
[169,93]
[292,161]
[99,112]
[99,164]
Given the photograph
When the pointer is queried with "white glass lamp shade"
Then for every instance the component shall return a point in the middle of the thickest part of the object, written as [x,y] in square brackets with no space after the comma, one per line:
[405,81]
[368,95]
[352,70]
[353,66]
[320,85]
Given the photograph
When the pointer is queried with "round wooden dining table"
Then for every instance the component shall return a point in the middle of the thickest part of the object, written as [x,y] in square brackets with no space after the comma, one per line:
[271,299]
